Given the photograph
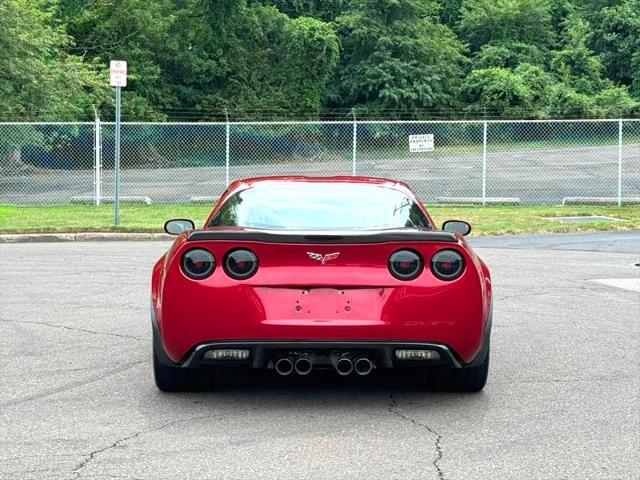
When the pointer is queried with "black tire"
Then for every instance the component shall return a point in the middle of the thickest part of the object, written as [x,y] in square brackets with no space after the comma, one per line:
[467,379]
[473,379]
[176,379]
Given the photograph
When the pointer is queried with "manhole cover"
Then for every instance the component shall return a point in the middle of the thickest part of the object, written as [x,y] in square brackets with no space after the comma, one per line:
[585,218]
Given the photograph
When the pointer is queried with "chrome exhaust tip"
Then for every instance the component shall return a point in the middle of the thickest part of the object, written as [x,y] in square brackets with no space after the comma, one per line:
[303,366]
[363,366]
[344,366]
[284,366]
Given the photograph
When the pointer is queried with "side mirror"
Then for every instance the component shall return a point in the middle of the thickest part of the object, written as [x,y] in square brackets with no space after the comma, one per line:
[178,225]
[456,226]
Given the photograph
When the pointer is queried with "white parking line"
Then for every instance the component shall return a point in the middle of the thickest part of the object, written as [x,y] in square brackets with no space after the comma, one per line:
[632,284]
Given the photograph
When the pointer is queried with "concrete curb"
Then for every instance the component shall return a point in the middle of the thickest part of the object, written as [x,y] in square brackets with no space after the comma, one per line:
[478,200]
[600,201]
[82,237]
[139,200]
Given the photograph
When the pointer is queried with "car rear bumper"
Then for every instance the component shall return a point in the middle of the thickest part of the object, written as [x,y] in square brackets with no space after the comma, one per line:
[261,354]
[262,351]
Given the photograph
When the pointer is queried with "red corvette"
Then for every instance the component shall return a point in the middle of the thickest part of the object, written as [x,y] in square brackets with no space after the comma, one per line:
[295,274]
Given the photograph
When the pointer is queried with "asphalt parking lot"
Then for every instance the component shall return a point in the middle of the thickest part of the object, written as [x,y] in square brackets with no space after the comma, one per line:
[559,172]
[562,401]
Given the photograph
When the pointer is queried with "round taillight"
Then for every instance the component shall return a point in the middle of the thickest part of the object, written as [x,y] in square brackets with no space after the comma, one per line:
[241,264]
[447,264]
[405,264]
[197,263]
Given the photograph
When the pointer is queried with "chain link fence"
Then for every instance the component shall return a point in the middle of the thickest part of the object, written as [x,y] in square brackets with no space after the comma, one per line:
[532,162]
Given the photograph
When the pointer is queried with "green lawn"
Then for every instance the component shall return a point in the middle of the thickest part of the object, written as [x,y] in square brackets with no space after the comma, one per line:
[150,218]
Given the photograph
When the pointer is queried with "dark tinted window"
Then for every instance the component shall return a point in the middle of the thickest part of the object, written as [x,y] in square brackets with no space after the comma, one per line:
[319,206]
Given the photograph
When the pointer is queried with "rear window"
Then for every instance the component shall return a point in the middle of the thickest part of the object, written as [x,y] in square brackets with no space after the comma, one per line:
[319,206]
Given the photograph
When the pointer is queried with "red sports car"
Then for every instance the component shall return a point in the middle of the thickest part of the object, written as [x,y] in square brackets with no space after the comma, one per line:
[295,274]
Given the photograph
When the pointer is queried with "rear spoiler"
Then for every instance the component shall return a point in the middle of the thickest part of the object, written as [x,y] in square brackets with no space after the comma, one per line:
[284,236]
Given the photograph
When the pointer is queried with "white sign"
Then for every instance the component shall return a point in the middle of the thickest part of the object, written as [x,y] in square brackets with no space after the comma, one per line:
[118,73]
[421,143]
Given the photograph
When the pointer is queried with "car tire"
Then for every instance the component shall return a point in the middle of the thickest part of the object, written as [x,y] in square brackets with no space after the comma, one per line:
[472,379]
[176,379]
[466,379]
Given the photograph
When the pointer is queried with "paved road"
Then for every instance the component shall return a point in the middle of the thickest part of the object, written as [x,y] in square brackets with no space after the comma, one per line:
[78,400]
[627,241]
[533,175]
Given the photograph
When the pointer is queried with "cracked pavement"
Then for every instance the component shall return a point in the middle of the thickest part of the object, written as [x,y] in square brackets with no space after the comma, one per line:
[78,400]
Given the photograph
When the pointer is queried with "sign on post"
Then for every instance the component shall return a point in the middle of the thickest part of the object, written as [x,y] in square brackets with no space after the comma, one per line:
[118,73]
[118,79]
[421,143]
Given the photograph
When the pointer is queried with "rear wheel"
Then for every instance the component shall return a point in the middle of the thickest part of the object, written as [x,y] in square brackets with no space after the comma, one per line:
[176,379]
[467,379]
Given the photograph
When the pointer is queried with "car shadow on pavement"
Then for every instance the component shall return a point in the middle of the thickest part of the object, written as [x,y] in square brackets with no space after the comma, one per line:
[321,388]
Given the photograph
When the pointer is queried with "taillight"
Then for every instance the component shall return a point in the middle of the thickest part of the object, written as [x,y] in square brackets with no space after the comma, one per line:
[405,264]
[197,263]
[447,264]
[241,264]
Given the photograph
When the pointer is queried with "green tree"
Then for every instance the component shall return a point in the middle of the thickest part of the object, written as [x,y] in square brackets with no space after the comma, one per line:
[507,54]
[563,101]
[616,37]
[38,79]
[255,58]
[137,31]
[497,92]
[525,21]
[450,12]
[575,63]
[327,10]
[396,57]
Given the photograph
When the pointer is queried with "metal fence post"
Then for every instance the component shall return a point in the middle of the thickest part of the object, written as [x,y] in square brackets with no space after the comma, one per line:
[620,162]
[97,162]
[355,144]
[226,160]
[484,163]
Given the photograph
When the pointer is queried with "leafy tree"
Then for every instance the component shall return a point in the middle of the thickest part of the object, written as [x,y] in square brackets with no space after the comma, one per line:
[326,10]
[617,37]
[396,57]
[256,58]
[301,58]
[538,81]
[497,91]
[615,101]
[563,101]
[507,54]
[38,80]
[575,63]
[133,30]
[200,57]
[525,21]
[450,12]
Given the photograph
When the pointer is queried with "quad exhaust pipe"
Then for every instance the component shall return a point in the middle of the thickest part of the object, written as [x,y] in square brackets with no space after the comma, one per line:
[343,364]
